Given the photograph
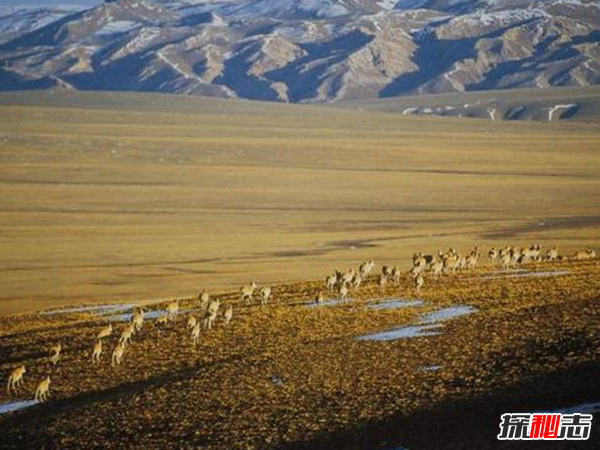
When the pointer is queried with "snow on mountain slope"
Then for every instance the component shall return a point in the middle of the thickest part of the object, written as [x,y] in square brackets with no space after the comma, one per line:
[304,50]
[16,20]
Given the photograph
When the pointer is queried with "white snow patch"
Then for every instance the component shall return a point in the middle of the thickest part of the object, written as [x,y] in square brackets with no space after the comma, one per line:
[429,325]
[395,303]
[118,26]
[93,309]
[529,274]
[583,408]
[15,406]
[555,108]
[330,302]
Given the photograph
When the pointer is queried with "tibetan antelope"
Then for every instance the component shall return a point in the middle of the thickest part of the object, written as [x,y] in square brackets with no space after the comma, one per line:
[213,310]
[419,282]
[366,268]
[117,354]
[356,282]
[382,283]
[204,298]
[126,334]
[96,352]
[247,291]
[585,255]
[15,379]
[330,282]
[163,320]
[105,332]
[228,314]
[191,322]
[55,352]
[493,256]
[195,335]
[437,268]
[137,320]
[265,295]
[43,390]
[172,310]
[344,292]
[552,254]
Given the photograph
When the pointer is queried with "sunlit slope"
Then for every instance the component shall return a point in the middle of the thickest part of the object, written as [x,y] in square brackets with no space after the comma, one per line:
[135,196]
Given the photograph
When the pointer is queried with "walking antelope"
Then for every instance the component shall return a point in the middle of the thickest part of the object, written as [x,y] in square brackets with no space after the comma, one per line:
[344,292]
[552,254]
[15,379]
[382,283]
[126,334]
[493,255]
[172,310]
[55,352]
[356,281]
[137,320]
[585,255]
[366,268]
[117,355]
[204,298]
[247,292]
[105,332]
[195,335]
[419,281]
[97,351]
[330,282]
[43,390]
[265,295]
[437,268]
[191,322]
[228,314]
[213,310]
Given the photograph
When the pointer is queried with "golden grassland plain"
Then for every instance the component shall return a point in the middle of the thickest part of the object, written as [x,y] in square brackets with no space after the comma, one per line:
[287,376]
[111,196]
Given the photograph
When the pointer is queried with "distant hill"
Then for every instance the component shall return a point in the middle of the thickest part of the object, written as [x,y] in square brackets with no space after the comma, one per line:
[515,104]
[303,50]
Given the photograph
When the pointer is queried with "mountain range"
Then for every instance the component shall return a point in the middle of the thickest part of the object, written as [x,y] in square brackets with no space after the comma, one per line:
[302,50]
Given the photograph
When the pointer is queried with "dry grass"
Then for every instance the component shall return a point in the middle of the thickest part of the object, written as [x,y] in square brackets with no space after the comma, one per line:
[131,196]
[225,393]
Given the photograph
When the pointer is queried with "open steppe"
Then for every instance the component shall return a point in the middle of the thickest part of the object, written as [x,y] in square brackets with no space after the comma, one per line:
[122,196]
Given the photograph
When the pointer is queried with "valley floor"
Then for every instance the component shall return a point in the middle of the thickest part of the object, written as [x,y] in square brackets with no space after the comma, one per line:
[289,375]
[129,196]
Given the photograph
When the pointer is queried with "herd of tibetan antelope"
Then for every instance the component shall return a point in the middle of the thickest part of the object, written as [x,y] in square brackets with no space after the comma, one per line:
[341,283]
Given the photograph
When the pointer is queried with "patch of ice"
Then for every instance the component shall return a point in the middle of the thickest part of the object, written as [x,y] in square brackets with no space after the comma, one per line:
[528,274]
[407,332]
[15,406]
[431,368]
[395,303]
[118,26]
[428,325]
[555,108]
[93,309]
[447,314]
[584,408]
[330,302]
[127,317]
